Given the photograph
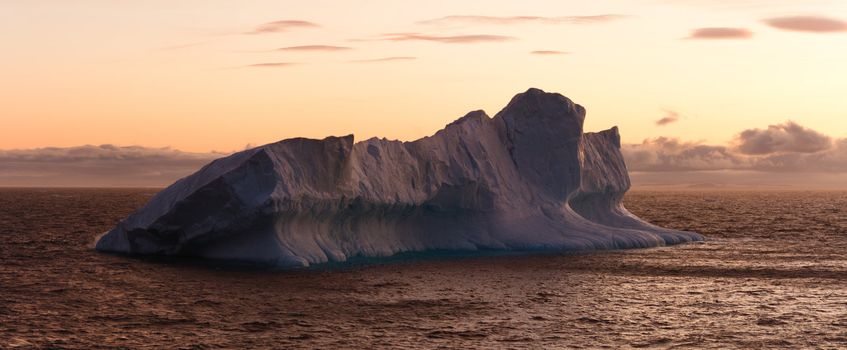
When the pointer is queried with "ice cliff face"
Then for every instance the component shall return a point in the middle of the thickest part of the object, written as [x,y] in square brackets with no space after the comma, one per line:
[526,179]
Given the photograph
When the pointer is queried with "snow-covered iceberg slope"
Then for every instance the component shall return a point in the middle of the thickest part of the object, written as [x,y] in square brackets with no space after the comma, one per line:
[526,179]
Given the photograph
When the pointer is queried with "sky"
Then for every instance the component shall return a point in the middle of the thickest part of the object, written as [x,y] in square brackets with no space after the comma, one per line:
[137,93]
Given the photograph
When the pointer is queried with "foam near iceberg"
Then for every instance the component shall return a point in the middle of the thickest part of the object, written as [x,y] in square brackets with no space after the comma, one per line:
[526,179]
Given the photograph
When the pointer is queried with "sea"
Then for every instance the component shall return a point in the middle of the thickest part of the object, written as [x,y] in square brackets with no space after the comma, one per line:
[772,274]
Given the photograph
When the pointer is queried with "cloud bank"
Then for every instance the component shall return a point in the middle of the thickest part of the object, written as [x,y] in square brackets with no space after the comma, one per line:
[786,153]
[98,166]
[781,148]
[788,137]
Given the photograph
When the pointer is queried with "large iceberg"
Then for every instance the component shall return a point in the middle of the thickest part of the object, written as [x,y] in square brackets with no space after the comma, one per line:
[526,179]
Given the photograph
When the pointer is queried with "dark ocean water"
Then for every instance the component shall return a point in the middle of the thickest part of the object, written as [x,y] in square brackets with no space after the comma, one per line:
[772,275]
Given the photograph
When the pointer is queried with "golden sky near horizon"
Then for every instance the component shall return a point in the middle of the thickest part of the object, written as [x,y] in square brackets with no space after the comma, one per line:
[206,75]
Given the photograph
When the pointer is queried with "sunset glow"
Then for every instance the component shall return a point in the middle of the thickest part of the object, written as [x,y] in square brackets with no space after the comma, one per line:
[202,76]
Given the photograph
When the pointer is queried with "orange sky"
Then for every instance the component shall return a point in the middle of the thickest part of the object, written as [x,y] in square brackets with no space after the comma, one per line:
[194,75]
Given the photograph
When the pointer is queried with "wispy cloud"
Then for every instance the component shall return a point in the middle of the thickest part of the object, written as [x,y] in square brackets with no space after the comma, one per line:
[670,117]
[325,48]
[511,20]
[271,65]
[720,33]
[385,59]
[448,39]
[282,26]
[813,24]
[549,52]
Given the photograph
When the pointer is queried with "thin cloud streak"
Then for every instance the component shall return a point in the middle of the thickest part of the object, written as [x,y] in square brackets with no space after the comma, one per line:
[513,20]
[549,52]
[282,26]
[385,59]
[324,48]
[812,24]
[450,39]
[720,33]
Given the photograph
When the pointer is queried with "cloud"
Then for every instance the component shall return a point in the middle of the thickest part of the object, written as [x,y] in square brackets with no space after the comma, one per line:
[453,39]
[719,33]
[670,117]
[271,65]
[833,159]
[104,165]
[814,24]
[549,52]
[786,147]
[670,154]
[511,20]
[385,59]
[326,48]
[780,138]
[282,26]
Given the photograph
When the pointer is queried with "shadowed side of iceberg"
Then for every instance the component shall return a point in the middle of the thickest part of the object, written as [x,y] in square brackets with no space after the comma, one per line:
[605,181]
[526,179]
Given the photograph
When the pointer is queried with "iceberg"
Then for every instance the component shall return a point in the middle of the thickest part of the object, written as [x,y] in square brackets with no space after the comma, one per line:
[528,179]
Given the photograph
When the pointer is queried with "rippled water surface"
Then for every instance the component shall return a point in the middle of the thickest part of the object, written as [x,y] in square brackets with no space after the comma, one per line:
[773,274]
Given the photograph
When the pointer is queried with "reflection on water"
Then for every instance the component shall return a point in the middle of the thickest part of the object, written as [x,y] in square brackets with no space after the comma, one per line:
[774,274]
